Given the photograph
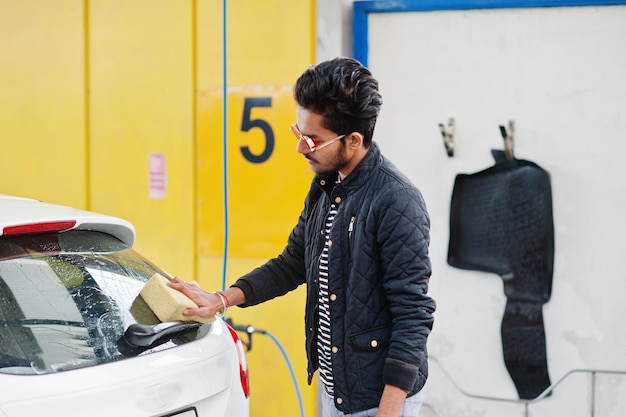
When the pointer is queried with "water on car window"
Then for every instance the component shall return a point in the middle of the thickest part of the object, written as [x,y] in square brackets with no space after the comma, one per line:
[66,299]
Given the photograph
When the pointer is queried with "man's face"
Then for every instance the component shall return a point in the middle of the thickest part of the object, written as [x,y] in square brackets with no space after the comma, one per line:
[326,159]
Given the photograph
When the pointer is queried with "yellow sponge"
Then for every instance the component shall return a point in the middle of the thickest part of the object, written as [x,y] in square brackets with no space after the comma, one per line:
[167,303]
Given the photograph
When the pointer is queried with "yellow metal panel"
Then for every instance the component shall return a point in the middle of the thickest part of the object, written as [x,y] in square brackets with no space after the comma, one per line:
[141,85]
[263,61]
[265,197]
[42,100]
[269,44]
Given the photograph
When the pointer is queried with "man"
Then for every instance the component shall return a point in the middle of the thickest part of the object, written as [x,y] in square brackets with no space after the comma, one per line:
[361,247]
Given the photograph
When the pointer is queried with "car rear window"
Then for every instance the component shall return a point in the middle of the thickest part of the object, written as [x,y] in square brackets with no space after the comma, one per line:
[67,298]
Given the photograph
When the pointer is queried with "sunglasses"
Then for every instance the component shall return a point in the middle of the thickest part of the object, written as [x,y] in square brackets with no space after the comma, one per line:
[310,142]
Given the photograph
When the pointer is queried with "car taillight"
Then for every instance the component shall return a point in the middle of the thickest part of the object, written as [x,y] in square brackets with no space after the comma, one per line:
[35,228]
[243,366]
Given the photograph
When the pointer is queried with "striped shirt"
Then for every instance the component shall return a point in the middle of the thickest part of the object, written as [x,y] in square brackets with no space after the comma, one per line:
[323,334]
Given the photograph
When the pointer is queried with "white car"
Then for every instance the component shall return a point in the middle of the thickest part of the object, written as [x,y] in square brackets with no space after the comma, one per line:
[76,339]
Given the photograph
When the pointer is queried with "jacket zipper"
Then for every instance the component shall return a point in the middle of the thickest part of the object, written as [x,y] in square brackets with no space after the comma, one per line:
[351,227]
[350,230]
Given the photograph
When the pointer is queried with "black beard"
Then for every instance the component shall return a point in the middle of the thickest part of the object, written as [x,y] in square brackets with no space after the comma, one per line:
[336,164]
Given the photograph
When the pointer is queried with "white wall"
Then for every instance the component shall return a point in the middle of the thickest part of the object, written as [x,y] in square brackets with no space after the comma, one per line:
[334,29]
[559,74]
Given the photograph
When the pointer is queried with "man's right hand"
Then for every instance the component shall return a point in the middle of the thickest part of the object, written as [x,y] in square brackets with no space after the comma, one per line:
[209,304]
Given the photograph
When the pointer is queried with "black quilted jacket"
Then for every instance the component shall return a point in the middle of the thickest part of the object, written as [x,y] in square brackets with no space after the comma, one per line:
[379,268]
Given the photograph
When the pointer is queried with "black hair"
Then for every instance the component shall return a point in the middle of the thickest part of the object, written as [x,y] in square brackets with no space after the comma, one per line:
[344,92]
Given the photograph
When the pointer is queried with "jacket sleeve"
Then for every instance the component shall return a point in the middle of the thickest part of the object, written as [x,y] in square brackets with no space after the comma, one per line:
[282,274]
[404,237]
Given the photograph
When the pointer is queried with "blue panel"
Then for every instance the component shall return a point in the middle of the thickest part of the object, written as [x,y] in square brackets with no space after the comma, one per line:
[362,8]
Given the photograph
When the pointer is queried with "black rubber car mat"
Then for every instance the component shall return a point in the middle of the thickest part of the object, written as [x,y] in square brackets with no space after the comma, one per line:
[501,222]
[524,347]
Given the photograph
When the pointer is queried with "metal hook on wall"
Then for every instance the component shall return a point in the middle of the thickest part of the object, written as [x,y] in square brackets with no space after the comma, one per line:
[447,132]
[507,135]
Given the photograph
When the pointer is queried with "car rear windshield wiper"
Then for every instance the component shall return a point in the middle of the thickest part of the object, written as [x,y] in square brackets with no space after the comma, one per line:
[140,337]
